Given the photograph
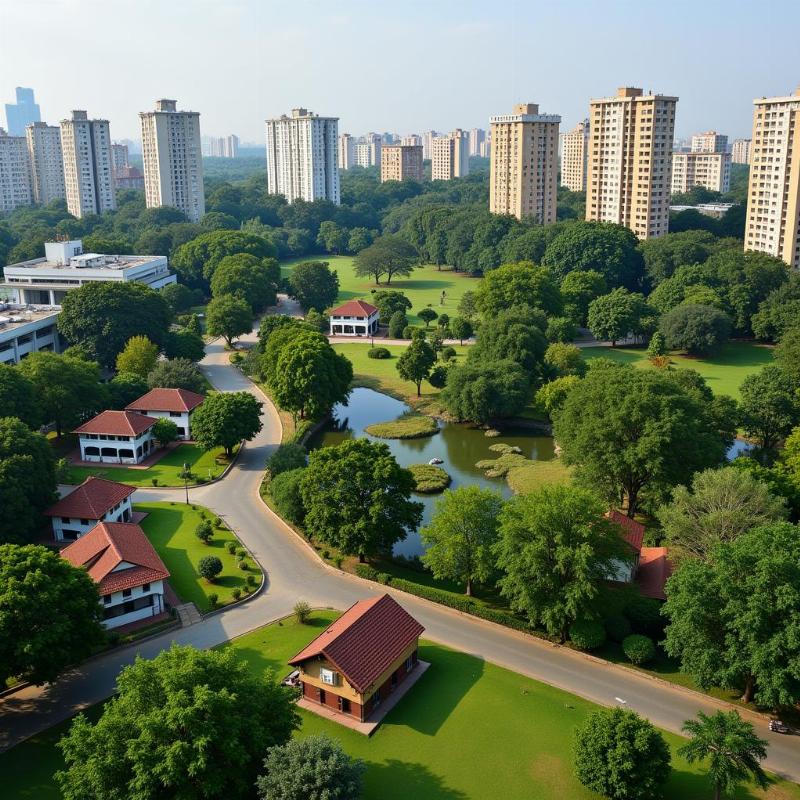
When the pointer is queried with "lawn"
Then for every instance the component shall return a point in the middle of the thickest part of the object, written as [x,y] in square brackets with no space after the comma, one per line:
[423,288]
[724,371]
[204,464]
[171,529]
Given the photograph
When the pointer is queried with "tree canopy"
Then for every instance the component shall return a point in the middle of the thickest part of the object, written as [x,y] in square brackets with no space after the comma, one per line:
[176,373]
[483,392]
[389,255]
[225,419]
[520,284]
[138,357]
[416,361]
[253,279]
[229,316]
[314,285]
[17,396]
[769,405]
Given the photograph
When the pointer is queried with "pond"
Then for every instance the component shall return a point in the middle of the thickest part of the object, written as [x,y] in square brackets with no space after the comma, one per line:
[459,445]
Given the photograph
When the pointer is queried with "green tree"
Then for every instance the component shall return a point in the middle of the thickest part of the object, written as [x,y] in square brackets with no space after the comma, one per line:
[17,397]
[315,768]
[357,498]
[565,359]
[206,719]
[288,455]
[248,277]
[389,302]
[124,388]
[620,755]
[397,324]
[138,357]
[556,549]
[657,347]
[427,315]
[460,328]
[517,285]
[553,394]
[389,255]
[665,254]
[731,747]
[165,431]
[578,289]
[225,419]
[209,567]
[184,343]
[314,285]
[229,316]
[787,354]
[179,297]
[35,643]
[698,329]
[461,534]
[769,405]
[515,335]
[483,392]
[332,237]
[416,361]
[616,315]
[177,373]
[286,490]
[359,239]
[467,307]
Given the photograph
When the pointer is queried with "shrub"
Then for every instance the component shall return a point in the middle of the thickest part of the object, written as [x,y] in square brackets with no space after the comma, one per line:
[243,565]
[560,329]
[438,377]
[213,599]
[448,353]
[366,571]
[230,547]
[408,332]
[204,532]
[338,561]
[236,594]
[326,554]
[384,577]
[698,329]
[302,611]
[154,481]
[378,352]
[285,492]
[286,457]
[209,567]
[586,634]
[618,627]
[638,649]
[645,615]
[251,580]
[397,325]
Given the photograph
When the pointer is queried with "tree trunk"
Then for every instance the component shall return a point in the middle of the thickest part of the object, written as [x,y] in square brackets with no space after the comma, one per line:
[469,587]
[361,559]
[613,342]
[717,791]
[419,391]
[747,697]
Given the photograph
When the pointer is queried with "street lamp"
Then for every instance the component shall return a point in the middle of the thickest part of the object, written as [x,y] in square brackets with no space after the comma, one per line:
[186,481]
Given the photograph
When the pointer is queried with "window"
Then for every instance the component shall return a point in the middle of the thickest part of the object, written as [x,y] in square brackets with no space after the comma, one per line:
[327,676]
[126,592]
[145,587]
[106,599]
[84,522]
[65,520]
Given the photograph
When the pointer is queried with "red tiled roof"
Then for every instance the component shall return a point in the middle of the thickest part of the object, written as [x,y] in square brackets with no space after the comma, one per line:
[91,499]
[108,545]
[354,308]
[175,400]
[632,531]
[365,640]
[117,423]
[654,569]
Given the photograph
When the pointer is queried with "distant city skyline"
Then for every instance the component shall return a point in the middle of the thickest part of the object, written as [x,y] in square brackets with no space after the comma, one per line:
[559,56]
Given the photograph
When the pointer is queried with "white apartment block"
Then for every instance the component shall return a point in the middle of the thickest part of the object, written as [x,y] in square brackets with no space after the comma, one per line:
[427,144]
[173,159]
[368,150]
[25,330]
[773,195]
[411,140]
[120,158]
[740,151]
[709,142]
[302,158]
[347,151]
[630,161]
[574,152]
[450,156]
[47,164]
[15,173]
[701,168]
[477,136]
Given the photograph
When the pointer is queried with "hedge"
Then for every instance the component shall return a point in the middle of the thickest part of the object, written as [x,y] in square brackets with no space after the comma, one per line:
[639,649]
[378,352]
[586,634]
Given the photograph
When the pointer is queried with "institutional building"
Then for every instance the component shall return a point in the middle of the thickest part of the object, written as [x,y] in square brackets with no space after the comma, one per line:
[701,168]
[523,177]
[401,162]
[740,151]
[347,151]
[88,167]
[450,156]
[574,151]
[47,164]
[773,196]
[173,159]
[25,330]
[22,113]
[709,142]
[302,159]
[15,173]
[629,166]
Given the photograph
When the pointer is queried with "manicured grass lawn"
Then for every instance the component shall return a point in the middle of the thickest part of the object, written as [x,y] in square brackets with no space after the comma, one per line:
[724,371]
[424,287]
[204,464]
[171,529]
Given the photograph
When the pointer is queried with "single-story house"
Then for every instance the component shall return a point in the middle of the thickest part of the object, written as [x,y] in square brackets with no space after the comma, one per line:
[175,404]
[128,572]
[117,437]
[354,318]
[95,500]
[361,658]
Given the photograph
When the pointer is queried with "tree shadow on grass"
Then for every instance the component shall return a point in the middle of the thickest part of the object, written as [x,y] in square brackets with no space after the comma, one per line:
[697,786]
[395,778]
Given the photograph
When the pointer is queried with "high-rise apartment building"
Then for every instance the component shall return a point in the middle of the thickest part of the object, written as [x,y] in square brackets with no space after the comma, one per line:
[740,151]
[574,151]
[523,179]
[173,159]
[701,168]
[46,161]
[477,136]
[450,157]
[347,151]
[231,147]
[88,171]
[22,113]
[773,195]
[412,140]
[15,172]
[401,162]
[302,160]
[368,150]
[120,161]
[629,166]
[709,142]
[485,147]
[427,144]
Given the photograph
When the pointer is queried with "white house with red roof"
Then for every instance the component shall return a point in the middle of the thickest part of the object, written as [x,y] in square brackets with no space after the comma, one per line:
[175,404]
[354,318]
[117,437]
[128,571]
[95,500]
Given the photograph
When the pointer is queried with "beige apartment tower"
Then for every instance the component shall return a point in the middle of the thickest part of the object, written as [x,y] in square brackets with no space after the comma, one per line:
[701,168]
[773,194]
[401,162]
[709,142]
[574,150]
[740,151]
[47,164]
[523,179]
[629,166]
[450,156]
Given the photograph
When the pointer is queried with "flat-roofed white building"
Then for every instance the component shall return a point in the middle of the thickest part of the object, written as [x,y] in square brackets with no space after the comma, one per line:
[25,330]
[701,168]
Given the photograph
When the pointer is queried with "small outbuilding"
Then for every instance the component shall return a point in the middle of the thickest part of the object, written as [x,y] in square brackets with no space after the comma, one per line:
[354,318]
[175,404]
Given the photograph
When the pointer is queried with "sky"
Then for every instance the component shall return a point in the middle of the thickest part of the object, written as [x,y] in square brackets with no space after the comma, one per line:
[404,66]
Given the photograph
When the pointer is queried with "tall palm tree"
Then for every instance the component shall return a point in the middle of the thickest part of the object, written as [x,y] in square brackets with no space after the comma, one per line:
[731,745]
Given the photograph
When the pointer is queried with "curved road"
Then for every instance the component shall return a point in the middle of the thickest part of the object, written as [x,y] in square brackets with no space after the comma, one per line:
[295,572]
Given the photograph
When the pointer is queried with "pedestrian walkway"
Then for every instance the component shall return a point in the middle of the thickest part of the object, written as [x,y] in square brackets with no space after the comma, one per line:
[188,614]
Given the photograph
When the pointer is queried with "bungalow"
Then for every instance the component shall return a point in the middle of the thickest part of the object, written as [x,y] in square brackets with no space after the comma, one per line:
[126,568]
[175,404]
[95,500]
[354,318]
[361,658]
[117,437]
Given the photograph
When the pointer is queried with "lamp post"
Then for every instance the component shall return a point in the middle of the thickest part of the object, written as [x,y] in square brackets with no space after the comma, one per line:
[186,481]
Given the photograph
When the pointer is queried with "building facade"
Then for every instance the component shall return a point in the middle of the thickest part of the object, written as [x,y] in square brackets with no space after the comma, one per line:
[129,178]
[709,142]
[367,152]
[22,113]
[740,151]
[302,158]
[47,164]
[412,140]
[177,405]
[117,437]
[477,136]
[88,167]
[523,180]
[354,318]
[120,156]
[773,195]
[450,156]
[173,159]
[25,330]
[16,187]
[629,166]
[574,152]
[401,162]
[701,168]
[347,151]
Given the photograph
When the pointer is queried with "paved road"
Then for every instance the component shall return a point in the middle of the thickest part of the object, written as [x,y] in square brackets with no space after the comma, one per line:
[294,572]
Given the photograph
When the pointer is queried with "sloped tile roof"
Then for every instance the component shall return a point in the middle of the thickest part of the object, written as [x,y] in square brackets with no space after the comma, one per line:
[117,423]
[654,569]
[354,308]
[365,640]
[175,400]
[632,531]
[91,500]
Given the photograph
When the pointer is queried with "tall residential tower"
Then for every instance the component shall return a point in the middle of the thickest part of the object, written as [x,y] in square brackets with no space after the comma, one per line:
[401,162]
[47,164]
[22,113]
[574,150]
[15,173]
[450,157]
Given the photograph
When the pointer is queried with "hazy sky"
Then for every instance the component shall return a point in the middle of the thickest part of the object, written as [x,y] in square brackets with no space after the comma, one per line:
[403,66]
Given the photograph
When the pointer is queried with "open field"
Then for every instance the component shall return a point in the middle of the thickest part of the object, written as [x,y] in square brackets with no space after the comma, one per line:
[424,287]
[468,729]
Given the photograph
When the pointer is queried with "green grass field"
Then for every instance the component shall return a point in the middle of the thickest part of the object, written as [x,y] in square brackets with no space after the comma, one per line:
[424,287]
[171,529]
[724,371]
[467,730]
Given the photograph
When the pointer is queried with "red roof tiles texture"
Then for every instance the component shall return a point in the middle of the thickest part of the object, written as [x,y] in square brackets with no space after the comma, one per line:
[175,400]
[117,423]
[632,531]
[654,569]
[354,308]
[365,640]
[91,500]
